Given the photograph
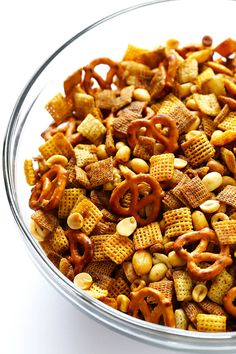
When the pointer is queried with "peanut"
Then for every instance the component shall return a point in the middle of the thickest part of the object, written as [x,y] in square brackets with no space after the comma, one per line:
[212,180]
[199,292]
[142,262]
[139,165]
[158,272]
[199,220]
[210,206]
[126,226]
[83,281]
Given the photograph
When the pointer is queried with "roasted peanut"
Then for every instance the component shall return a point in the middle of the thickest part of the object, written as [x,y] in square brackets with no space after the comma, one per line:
[129,271]
[57,159]
[139,165]
[37,231]
[216,166]
[227,180]
[142,262]
[141,94]
[83,280]
[175,260]
[199,220]
[212,180]
[210,206]
[199,292]
[123,154]
[101,152]
[180,163]
[75,221]
[122,303]
[160,258]
[126,226]
[158,272]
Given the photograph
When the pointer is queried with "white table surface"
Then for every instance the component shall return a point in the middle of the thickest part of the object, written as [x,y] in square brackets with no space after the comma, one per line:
[34,317]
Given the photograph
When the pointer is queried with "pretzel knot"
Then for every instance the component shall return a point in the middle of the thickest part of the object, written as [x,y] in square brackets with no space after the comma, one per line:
[69,128]
[115,71]
[131,184]
[78,241]
[199,254]
[48,191]
[170,141]
[140,308]
[229,301]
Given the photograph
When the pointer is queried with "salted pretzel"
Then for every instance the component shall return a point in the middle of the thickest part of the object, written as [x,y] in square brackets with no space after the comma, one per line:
[78,240]
[171,70]
[90,74]
[169,141]
[131,184]
[69,128]
[48,191]
[140,308]
[200,254]
[229,302]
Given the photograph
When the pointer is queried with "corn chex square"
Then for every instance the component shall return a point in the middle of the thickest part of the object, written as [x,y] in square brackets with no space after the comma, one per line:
[68,201]
[98,251]
[59,108]
[207,104]
[198,149]
[229,123]
[118,248]
[187,71]
[211,323]
[162,166]
[226,231]
[91,214]
[177,222]
[92,129]
[147,236]
[58,144]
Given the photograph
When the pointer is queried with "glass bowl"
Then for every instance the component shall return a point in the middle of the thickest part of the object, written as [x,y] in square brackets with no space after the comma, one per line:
[145,25]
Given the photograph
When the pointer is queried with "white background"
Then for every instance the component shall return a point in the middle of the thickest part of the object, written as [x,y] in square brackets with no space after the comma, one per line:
[34,318]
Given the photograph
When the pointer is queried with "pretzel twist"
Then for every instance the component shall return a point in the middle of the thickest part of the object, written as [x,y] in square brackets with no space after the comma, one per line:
[115,70]
[131,184]
[163,308]
[219,261]
[48,191]
[229,302]
[169,141]
[79,240]
[69,128]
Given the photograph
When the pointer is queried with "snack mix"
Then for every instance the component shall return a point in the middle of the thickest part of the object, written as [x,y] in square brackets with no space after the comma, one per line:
[134,189]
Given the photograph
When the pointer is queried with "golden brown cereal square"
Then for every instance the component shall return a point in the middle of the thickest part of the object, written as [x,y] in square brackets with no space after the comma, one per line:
[58,144]
[100,198]
[187,71]
[99,254]
[177,222]
[162,166]
[220,286]
[119,286]
[228,195]
[207,104]
[82,178]
[192,310]
[195,192]
[183,117]
[92,129]
[147,236]
[211,323]
[198,150]
[165,286]
[145,147]
[68,200]
[208,125]
[225,231]
[30,173]
[46,220]
[104,227]
[100,172]
[84,104]
[171,201]
[71,177]
[59,107]
[59,241]
[229,122]
[183,285]
[91,214]
[84,157]
[96,291]
[100,268]
[211,307]
[118,248]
